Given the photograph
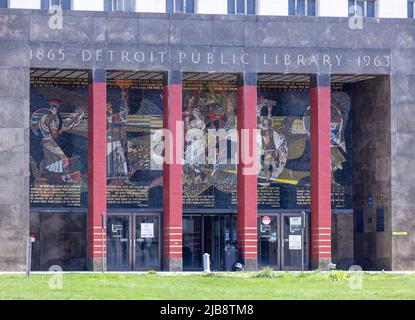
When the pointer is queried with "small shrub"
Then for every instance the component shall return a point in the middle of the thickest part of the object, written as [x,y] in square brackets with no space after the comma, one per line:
[152,272]
[266,272]
[210,274]
[337,275]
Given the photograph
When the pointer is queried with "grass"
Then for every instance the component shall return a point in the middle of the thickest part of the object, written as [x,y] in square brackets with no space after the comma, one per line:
[218,286]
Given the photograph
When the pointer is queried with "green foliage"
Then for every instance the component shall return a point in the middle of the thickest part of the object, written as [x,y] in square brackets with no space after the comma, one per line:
[152,272]
[210,275]
[337,275]
[266,272]
[219,274]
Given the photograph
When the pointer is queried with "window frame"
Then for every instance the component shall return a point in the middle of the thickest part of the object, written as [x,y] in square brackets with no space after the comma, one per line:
[412,15]
[184,7]
[49,4]
[305,9]
[235,7]
[365,2]
[133,6]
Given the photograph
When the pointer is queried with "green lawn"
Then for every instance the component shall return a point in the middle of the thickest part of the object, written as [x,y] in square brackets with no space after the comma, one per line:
[216,287]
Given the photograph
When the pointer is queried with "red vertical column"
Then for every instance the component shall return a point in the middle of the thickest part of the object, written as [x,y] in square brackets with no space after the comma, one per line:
[172,171]
[320,180]
[247,177]
[97,96]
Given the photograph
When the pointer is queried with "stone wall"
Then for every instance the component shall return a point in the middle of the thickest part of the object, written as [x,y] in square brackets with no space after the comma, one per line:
[371,173]
[14,142]
[403,167]
[342,240]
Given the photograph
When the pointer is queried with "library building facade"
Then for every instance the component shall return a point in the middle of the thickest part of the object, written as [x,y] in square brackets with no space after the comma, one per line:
[141,141]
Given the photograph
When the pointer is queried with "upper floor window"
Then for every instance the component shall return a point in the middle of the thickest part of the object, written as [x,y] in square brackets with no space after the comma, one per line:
[241,6]
[180,6]
[411,12]
[64,4]
[302,7]
[363,8]
[119,5]
[3,3]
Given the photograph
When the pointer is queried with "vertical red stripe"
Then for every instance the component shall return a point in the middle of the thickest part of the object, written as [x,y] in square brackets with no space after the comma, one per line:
[96,159]
[320,171]
[247,182]
[172,172]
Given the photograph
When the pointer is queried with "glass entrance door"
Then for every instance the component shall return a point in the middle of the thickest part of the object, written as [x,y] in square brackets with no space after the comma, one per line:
[269,241]
[282,242]
[293,244]
[146,249]
[118,243]
[192,242]
[133,242]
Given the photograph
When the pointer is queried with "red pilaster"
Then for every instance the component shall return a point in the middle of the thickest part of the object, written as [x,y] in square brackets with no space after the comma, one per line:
[320,171]
[172,171]
[97,96]
[247,178]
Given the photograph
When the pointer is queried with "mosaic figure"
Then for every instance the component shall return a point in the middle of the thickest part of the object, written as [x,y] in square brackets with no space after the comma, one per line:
[45,123]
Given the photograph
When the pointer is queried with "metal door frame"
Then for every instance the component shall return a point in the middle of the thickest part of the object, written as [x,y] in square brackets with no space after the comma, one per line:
[305,241]
[134,242]
[202,237]
[132,238]
[121,214]
[280,238]
[278,217]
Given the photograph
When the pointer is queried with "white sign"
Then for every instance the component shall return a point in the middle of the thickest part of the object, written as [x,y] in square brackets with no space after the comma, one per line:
[147,230]
[295,224]
[266,220]
[294,242]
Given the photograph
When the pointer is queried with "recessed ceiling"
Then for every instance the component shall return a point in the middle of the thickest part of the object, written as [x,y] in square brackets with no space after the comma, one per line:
[191,76]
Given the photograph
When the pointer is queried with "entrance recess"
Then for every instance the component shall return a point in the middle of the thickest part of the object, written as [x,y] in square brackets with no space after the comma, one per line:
[133,242]
[282,242]
[207,234]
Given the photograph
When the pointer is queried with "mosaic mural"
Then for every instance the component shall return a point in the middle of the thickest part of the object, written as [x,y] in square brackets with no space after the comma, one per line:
[209,167]
[134,155]
[58,142]
[283,116]
[134,148]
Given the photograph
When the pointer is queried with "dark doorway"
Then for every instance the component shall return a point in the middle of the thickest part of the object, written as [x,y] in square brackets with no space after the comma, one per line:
[211,234]
[60,240]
